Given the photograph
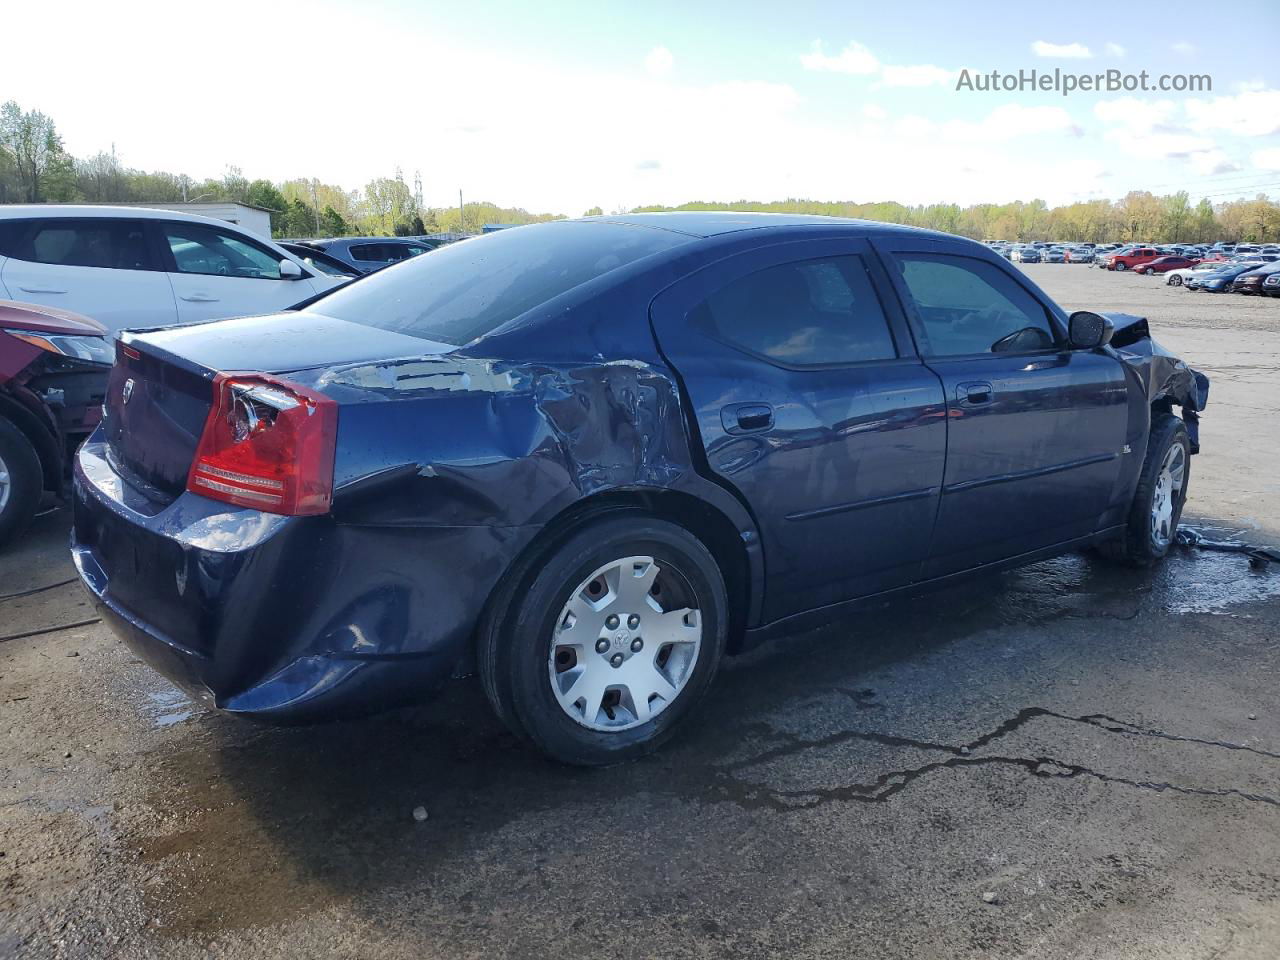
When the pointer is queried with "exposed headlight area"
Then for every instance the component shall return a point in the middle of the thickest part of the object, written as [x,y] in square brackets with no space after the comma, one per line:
[90,349]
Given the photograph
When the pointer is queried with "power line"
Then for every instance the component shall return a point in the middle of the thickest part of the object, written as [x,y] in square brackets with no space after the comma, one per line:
[1215,181]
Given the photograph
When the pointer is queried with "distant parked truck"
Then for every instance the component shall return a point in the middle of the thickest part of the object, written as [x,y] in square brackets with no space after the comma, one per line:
[1127,260]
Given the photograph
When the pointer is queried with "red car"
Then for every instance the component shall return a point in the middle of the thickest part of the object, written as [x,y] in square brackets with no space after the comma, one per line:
[1163,264]
[1131,259]
[53,377]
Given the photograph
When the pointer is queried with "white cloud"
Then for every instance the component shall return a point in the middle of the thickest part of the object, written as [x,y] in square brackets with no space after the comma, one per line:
[1183,47]
[874,112]
[1152,130]
[1254,113]
[1268,159]
[1065,51]
[914,127]
[917,75]
[1114,50]
[1004,123]
[1212,162]
[854,59]
[659,62]
[1014,120]
[1137,116]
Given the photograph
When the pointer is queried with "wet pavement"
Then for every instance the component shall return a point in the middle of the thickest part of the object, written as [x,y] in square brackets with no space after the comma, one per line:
[1067,760]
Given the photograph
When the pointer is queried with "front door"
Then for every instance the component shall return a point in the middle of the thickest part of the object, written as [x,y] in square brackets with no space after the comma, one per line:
[217,273]
[811,404]
[1036,431]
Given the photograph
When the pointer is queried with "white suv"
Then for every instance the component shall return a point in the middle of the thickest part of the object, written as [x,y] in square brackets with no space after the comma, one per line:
[138,267]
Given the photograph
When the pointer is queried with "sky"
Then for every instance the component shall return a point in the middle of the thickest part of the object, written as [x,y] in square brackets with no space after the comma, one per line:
[562,106]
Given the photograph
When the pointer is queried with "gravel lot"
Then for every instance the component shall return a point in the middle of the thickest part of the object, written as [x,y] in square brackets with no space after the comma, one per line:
[1066,761]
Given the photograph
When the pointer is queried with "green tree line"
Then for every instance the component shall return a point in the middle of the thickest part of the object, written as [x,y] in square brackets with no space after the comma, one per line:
[35,168]
[1139,215]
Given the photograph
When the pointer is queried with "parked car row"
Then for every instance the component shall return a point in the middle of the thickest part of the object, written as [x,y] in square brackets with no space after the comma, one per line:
[1141,258]
[1247,277]
[1214,269]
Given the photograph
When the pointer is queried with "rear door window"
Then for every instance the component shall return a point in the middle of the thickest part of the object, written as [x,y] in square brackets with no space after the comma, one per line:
[369,252]
[91,242]
[810,313]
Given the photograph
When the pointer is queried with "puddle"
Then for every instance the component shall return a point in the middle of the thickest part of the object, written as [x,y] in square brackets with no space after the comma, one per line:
[1204,581]
[1215,581]
[166,706]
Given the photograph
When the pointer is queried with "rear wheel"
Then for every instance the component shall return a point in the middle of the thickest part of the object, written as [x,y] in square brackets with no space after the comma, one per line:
[613,637]
[1159,497]
[20,481]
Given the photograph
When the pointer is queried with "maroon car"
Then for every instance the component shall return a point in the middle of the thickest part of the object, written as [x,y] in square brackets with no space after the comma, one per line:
[53,376]
[1165,264]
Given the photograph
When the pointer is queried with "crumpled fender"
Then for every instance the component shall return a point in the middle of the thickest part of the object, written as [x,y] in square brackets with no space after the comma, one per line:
[1164,376]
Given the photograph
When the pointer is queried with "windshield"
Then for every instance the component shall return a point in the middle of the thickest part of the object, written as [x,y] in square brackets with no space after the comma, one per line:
[462,291]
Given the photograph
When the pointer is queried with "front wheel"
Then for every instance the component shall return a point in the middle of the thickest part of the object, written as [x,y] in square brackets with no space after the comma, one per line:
[21,481]
[1159,497]
[1175,281]
[1121,267]
[606,642]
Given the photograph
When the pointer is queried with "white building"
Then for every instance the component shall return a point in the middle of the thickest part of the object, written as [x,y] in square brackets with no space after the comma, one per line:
[245,215]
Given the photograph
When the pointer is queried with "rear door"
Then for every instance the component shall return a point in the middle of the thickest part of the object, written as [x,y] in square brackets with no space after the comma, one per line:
[810,403]
[220,273]
[1035,430]
[102,267]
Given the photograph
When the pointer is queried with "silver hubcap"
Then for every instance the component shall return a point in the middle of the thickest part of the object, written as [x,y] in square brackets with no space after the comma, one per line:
[5,485]
[1168,492]
[624,645]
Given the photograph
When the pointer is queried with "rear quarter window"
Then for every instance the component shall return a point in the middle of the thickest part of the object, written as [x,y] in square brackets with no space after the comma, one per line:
[459,292]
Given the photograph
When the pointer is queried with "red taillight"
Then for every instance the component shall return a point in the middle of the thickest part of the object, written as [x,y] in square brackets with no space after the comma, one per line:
[267,444]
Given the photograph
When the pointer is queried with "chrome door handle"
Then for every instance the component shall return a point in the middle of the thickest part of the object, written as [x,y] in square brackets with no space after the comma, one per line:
[200,298]
[974,393]
[40,290]
[746,417]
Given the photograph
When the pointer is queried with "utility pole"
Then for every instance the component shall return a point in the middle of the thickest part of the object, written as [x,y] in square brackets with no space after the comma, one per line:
[315,206]
[462,223]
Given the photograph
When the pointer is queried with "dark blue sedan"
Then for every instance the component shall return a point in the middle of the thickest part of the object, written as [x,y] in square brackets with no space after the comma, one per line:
[586,459]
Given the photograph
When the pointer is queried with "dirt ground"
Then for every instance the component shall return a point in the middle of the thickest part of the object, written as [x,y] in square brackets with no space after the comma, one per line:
[1066,761]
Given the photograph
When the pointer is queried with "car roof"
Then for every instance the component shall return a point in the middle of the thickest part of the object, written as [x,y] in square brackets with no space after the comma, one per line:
[85,211]
[712,223]
[368,240]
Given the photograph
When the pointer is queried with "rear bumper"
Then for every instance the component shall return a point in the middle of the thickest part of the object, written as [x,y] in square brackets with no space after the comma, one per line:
[281,618]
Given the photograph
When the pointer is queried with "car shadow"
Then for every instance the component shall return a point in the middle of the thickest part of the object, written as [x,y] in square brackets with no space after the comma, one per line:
[294,819]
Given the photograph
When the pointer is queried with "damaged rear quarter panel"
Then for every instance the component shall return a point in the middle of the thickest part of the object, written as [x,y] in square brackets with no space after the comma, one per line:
[465,441]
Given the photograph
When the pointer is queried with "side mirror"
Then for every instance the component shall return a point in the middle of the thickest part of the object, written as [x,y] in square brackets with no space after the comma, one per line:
[1088,331]
[290,270]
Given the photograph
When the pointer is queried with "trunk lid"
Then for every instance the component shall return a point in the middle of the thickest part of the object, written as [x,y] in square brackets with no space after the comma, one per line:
[161,387]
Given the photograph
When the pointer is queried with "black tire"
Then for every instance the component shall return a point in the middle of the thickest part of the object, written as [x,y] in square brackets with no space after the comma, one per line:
[1137,546]
[514,643]
[1175,281]
[1121,267]
[26,481]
